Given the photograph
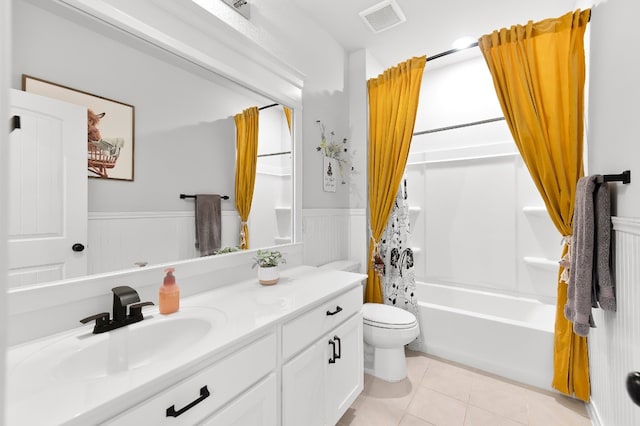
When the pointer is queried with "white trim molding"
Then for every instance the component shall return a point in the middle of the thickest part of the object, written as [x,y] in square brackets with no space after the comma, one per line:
[626,224]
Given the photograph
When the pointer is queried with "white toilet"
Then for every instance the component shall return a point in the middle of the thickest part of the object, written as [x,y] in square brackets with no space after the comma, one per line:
[386,330]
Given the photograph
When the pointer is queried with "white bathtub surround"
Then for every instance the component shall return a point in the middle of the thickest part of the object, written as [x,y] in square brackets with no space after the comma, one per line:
[399,282]
[505,335]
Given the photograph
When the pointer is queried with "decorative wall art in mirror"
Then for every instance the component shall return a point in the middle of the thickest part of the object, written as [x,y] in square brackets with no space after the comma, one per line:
[110,128]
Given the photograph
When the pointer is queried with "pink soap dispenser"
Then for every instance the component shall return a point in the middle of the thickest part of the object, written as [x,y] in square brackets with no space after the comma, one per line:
[169,294]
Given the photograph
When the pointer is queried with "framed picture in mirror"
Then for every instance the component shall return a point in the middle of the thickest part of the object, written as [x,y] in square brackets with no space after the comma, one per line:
[110,128]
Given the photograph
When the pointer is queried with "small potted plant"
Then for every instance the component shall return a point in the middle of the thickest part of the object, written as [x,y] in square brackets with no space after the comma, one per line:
[267,262]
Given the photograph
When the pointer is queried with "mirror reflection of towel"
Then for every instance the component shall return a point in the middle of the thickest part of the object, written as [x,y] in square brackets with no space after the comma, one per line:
[208,223]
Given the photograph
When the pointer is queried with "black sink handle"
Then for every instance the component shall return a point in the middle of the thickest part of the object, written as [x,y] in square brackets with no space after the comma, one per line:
[102,319]
[135,310]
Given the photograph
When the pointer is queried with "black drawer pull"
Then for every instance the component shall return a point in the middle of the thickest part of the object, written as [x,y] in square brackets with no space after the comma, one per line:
[338,310]
[339,354]
[204,394]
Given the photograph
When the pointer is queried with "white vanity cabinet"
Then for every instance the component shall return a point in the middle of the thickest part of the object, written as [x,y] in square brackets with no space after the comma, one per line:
[197,397]
[289,354]
[322,373]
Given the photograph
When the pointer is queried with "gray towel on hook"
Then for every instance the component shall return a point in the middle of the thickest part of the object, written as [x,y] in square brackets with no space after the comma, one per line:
[589,275]
[208,223]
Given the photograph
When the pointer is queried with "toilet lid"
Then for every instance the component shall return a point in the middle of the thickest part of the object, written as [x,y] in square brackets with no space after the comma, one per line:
[385,316]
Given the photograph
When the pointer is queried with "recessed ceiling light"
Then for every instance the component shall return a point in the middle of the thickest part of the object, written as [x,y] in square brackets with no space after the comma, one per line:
[463,42]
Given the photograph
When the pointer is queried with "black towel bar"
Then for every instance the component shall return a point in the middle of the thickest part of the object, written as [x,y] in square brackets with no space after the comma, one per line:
[183,196]
[624,177]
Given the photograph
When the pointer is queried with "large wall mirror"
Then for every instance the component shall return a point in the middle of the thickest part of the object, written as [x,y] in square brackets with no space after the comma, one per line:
[184,141]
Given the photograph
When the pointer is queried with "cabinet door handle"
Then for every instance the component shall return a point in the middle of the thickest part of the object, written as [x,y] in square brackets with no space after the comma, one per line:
[332,360]
[337,356]
[204,394]
[338,310]
[15,124]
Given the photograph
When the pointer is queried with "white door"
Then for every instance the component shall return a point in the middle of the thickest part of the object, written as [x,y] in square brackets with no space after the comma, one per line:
[47,200]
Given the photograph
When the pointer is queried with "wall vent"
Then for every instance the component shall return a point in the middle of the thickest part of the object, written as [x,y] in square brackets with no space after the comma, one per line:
[382,16]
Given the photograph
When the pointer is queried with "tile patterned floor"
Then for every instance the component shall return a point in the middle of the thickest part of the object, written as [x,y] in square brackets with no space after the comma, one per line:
[440,393]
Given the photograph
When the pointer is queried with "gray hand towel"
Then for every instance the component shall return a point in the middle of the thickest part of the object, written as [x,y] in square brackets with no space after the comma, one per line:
[208,223]
[578,306]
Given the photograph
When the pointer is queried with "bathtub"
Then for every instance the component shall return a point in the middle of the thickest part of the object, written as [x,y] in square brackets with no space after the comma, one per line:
[508,336]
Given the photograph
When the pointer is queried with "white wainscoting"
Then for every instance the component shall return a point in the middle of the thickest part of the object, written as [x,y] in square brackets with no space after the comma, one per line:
[118,240]
[334,234]
[614,346]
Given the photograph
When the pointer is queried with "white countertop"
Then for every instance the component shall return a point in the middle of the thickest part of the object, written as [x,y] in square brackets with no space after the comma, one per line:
[245,310]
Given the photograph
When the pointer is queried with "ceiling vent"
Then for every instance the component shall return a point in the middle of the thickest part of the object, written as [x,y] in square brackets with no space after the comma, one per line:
[240,6]
[382,16]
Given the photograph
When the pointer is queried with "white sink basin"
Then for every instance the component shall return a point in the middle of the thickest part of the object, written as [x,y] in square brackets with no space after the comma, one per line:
[131,347]
[157,341]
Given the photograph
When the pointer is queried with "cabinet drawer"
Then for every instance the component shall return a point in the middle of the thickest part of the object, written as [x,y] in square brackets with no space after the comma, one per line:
[223,381]
[301,331]
[255,407]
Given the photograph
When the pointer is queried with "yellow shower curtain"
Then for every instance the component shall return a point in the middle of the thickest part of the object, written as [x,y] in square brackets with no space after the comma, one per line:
[287,114]
[393,102]
[538,71]
[246,162]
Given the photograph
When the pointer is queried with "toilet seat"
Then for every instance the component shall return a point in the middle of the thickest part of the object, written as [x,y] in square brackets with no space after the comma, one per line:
[384,316]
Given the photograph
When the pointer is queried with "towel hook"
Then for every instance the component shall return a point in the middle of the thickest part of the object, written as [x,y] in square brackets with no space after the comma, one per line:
[624,177]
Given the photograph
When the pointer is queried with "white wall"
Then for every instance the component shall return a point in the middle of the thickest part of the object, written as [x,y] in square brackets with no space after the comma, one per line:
[5,70]
[613,99]
[614,345]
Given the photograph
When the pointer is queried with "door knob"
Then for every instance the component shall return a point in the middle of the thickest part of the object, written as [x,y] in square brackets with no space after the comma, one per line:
[633,386]
[77,247]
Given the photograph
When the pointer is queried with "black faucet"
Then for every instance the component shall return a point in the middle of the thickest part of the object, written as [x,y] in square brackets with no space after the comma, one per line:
[123,296]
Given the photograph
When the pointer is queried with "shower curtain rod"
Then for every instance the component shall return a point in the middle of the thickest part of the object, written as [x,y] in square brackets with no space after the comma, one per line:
[449,52]
[267,106]
[458,126]
[274,153]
